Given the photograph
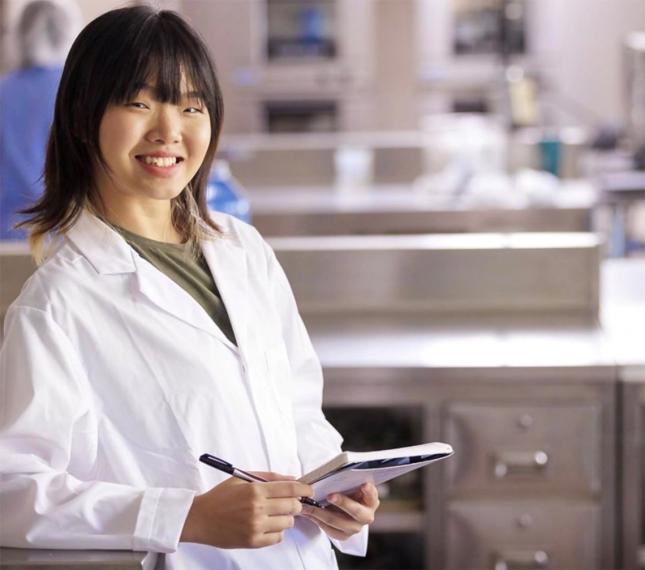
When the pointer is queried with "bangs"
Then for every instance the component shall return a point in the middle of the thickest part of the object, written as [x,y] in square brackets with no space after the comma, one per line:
[165,56]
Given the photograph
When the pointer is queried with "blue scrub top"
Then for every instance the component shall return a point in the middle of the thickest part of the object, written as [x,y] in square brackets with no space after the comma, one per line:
[27,98]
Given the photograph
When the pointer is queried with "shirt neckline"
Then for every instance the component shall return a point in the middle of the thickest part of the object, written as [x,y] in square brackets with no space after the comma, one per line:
[142,240]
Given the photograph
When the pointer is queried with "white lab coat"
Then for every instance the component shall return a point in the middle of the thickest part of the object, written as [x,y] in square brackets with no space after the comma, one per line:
[114,380]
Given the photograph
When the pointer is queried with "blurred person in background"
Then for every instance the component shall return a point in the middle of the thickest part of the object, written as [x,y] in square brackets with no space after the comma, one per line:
[45,32]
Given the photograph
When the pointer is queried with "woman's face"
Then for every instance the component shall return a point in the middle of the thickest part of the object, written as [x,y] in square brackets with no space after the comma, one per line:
[152,149]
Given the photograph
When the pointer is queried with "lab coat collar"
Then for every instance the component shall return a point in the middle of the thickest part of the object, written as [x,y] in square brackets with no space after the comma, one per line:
[106,250]
[110,254]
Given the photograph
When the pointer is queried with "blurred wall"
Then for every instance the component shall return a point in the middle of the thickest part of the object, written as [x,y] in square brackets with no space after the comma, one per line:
[395,79]
[579,43]
[576,45]
[232,31]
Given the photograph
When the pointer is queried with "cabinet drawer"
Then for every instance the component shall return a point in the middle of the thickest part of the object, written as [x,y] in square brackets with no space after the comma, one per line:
[526,535]
[511,449]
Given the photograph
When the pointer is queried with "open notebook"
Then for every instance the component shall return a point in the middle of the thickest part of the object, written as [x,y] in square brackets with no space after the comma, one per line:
[350,469]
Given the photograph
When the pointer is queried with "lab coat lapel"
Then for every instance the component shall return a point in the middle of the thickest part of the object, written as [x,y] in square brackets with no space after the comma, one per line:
[159,289]
[227,262]
[109,253]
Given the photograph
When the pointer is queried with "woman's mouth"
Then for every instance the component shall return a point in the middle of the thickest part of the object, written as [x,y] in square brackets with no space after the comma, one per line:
[163,166]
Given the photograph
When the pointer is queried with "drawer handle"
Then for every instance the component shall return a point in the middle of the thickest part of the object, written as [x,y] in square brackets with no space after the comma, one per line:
[509,462]
[524,521]
[522,560]
[525,421]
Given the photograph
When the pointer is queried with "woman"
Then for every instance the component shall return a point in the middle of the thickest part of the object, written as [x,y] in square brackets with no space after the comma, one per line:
[153,333]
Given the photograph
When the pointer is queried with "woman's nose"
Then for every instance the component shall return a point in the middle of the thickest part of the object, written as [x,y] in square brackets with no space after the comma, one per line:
[166,127]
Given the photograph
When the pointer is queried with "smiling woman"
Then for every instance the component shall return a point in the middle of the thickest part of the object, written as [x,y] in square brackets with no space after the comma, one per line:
[137,83]
[155,332]
[151,151]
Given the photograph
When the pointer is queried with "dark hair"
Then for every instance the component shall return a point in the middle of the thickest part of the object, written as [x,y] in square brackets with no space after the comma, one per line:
[110,60]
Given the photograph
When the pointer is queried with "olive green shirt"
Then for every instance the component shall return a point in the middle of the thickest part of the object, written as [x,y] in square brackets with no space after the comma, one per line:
[178,262]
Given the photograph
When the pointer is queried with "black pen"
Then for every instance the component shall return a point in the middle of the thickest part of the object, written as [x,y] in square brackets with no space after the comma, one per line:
[227,467]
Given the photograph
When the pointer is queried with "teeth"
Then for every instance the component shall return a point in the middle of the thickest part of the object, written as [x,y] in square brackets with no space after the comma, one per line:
[162,161]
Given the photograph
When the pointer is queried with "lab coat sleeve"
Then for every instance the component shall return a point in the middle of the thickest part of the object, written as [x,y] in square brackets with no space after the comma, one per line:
[318,441]
[48,431]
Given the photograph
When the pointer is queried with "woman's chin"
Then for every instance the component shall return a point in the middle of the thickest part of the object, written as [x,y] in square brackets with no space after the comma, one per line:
[168,193]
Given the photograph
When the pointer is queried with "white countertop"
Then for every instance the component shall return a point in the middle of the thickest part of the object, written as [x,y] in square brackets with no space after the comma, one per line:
[623,314]
[442,242]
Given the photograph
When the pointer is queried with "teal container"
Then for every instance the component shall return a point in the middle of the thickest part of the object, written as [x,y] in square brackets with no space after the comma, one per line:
[551,154]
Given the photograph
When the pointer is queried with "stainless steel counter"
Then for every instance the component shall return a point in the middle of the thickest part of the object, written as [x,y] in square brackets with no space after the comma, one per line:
[450,274]
[407,341]
[484,340]
[398,209]
[42,559]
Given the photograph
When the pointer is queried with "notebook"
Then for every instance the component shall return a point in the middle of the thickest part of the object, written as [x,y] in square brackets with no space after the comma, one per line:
[347,471]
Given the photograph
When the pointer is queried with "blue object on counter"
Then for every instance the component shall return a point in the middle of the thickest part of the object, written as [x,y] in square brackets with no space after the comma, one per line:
[225,194]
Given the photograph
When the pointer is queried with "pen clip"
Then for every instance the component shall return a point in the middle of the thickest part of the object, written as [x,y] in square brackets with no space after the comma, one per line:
[216,462]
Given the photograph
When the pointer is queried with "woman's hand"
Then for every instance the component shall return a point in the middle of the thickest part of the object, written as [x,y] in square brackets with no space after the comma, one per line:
[238,514]
[348,514]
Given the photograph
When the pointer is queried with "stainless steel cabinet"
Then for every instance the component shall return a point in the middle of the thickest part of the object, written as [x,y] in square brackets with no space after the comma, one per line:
[524,448]
[632,468]
[526,535]
[532,482]
[523,492]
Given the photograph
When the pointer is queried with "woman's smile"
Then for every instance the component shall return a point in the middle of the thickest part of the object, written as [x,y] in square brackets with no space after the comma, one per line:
[160,164]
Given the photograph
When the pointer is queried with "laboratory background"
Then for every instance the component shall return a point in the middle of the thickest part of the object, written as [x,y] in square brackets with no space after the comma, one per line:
[456,191]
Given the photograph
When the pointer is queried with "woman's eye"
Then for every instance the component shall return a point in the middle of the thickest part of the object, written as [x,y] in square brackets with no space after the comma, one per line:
[193,110]
[138,105]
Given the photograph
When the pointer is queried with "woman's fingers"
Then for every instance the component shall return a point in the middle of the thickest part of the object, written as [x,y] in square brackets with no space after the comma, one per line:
[330,530]
[368,495]
[267,539]
[347,515]
[357,511]
[277,523]
[277,489]
[289,506]
[272,476]
[334,518]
